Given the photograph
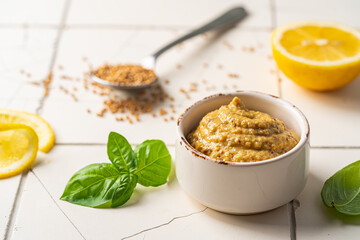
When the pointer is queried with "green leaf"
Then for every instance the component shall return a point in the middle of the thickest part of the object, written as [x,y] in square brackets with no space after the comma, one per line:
[342,190]
[105,185]
[99,185]
[125,190]
[120,153]
[153,163]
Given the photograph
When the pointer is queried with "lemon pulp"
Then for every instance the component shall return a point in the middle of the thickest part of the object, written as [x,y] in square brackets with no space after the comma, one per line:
[317,55]
[10,152]
[41,127]
[320,43]
[18,148]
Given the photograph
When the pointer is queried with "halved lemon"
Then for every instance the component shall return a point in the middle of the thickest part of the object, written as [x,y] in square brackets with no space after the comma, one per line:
[317,55]
[18,148]
[41,127]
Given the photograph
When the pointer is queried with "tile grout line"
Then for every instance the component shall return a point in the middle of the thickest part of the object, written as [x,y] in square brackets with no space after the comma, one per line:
[16,204]
[291,206]
[56,48]
[15,207]
[164,224]
[158,28]
[335,147]
[273,14]
[42,100]
[273,26]
[22,26]
[82,144]
[119,27]
[57,205]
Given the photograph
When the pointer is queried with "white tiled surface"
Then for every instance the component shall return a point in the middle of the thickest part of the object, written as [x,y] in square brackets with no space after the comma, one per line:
[214,225]
[165,202]
[28,50]
[25,58]
[115,31]
[160,13]
[39,217]
[8,186]
[35,12]
[314,220]
[119,45]
[337,112]
[345,11]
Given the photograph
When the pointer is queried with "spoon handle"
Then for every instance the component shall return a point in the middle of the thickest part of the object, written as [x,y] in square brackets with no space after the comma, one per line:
[229,18]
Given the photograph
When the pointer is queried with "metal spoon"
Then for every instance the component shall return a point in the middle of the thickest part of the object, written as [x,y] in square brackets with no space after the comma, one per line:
[227,19]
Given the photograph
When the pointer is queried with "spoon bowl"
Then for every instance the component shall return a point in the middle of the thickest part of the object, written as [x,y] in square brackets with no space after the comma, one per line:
[148,63]
[227,19]
[120,86]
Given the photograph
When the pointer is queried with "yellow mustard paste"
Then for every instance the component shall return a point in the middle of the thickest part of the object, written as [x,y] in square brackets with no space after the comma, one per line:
[235,134]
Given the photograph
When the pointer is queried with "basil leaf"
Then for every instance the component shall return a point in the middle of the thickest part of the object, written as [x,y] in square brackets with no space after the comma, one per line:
[125,189]
[153,163]
[342,190]
[99,185]
[105,185]
[120,153]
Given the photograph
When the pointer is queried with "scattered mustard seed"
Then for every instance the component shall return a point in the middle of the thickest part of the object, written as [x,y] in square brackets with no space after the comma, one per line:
[227,44]
[233,75]
[46,83]
[162,112]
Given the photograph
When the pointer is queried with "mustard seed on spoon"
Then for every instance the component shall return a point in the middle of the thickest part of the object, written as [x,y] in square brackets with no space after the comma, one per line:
[136,77]
[132,75]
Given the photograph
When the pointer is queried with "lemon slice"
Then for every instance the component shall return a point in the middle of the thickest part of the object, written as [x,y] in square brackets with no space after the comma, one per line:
[41,127]
[18,148]
[317,55]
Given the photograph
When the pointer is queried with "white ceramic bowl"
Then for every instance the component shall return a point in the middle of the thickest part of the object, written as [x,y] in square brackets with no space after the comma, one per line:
[243,188]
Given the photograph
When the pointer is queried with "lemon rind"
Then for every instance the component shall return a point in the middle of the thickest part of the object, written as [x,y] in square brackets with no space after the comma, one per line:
[45,148]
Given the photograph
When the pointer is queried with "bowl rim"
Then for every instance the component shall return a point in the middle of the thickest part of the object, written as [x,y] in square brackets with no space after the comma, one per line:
[304,138]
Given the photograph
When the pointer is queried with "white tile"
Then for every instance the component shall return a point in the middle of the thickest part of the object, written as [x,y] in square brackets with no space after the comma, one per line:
[73,124]
[31,12]
[341,11]
[164,13]
[38,216]
[9,188]
[27,49]
[314,220]
[148,207]
[215,225]
[333,116]
[25,58]
[21,105]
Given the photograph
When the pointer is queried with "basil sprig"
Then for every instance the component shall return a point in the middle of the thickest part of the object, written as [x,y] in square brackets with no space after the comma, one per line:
[109,185]
[342,190]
